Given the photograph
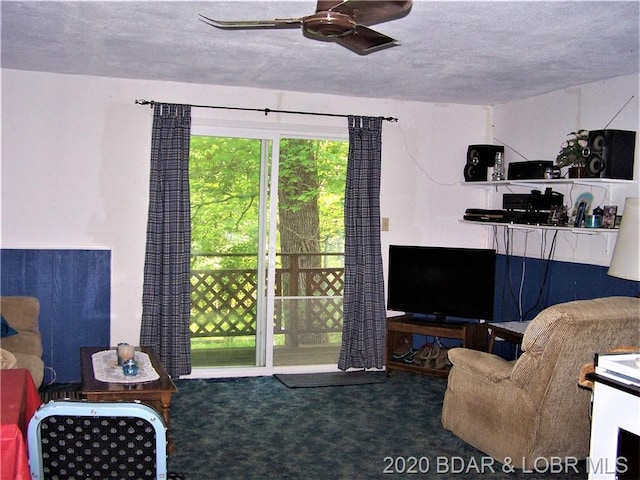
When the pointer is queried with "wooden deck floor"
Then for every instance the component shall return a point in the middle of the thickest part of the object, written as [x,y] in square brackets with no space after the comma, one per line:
[283,356]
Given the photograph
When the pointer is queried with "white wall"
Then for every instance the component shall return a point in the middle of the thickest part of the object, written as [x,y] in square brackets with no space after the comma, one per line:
[75,162]
[536,128]
[75,165]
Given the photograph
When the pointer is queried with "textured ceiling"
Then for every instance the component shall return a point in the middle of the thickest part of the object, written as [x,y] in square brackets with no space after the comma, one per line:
[455,52]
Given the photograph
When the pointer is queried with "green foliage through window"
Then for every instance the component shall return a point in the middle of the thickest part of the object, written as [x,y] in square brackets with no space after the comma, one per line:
[225,193]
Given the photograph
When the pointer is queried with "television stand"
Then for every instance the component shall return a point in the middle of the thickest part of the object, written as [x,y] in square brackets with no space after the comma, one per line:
[403,327]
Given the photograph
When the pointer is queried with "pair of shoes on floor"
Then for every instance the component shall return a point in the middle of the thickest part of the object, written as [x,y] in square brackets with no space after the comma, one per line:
[433,356]
[400,356]
[425,354]
[406,357]
[442,360]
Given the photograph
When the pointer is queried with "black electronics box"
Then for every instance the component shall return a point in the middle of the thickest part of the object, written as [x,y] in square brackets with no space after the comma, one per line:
[531,170]
[516,201]
[533,202]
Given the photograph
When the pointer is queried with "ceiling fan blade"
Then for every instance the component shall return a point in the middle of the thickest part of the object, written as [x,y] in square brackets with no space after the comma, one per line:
[325,5]
[277,23]
[367,12]
[364,40]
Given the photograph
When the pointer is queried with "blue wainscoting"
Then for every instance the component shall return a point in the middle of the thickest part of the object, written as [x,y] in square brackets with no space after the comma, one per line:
[549,283]
[74,290]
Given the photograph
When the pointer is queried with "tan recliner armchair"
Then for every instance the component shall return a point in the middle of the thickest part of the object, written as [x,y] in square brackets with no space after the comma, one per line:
[533,408]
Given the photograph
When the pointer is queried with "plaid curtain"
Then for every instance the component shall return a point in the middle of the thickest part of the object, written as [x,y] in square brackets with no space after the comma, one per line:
[166,290]
[364,323]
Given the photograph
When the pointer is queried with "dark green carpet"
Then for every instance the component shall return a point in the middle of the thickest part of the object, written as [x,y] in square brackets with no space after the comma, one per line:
[257,428]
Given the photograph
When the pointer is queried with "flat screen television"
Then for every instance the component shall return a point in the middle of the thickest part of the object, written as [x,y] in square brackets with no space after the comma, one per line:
[441,281]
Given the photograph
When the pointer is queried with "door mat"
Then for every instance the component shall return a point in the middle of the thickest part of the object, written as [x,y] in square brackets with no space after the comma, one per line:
[330,379]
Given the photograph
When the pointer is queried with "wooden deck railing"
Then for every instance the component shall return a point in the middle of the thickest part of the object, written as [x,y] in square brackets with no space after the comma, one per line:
[224,301]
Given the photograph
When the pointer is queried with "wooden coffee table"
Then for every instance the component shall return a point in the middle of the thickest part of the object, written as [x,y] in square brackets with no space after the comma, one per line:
[156,394]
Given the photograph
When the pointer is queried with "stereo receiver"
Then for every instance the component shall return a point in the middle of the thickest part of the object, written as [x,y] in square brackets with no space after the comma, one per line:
[531,170]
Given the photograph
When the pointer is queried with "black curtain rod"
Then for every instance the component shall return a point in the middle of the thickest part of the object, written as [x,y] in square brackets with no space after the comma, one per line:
[266,111]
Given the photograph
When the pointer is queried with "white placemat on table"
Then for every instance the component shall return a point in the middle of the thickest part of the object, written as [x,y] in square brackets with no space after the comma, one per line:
[106,368]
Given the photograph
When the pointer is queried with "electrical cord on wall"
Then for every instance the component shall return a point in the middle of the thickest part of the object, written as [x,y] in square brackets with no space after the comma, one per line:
[420,167]
[545,275]
[53,375]
[518,298]
[496,244]
[495,238]
[508,233]
[522,276]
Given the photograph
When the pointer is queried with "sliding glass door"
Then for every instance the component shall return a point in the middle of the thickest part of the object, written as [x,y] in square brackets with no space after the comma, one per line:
[310,243]
[267,250]
[227,252]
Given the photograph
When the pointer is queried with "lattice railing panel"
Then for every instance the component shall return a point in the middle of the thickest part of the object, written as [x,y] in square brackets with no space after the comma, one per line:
[309,315]
[325,282]
[309,321]
[224,302]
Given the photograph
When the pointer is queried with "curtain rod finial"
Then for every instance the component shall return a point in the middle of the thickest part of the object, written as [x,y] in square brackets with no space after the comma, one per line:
[145,102]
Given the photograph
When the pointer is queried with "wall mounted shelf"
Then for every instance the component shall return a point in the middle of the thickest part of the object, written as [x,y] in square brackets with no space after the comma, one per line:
[524,226]
[606,183]
[592,182]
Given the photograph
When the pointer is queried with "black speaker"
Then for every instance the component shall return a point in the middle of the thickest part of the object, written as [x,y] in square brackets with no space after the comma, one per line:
[611,154]
[479,159]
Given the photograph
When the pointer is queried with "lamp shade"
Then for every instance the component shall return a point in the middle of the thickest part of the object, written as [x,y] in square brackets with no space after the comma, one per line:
[625,262]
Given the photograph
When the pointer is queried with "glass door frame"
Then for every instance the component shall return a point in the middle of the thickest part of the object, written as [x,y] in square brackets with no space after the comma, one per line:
[267,239]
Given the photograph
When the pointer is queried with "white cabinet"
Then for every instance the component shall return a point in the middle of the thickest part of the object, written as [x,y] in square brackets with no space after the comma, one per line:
[615,428]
